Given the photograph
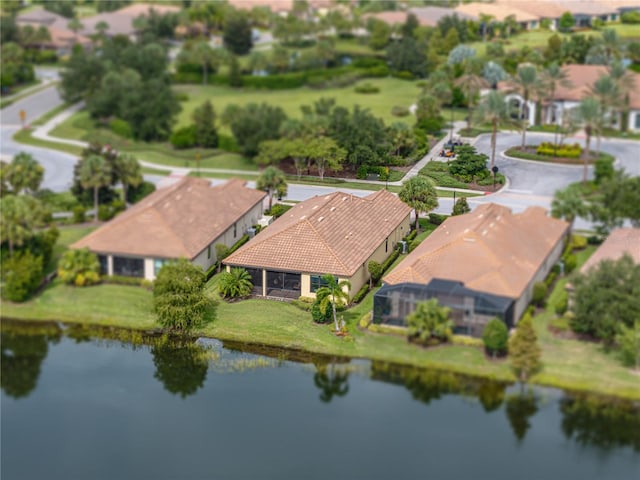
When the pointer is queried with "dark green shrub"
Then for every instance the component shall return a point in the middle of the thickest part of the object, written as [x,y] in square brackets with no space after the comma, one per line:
[121,128]
[404,75]
[375,270]
[182,96]
[135,194]
[278,209]
[399,111]
[367,88]
[362,172]
[495,337]
[632,17]
[317,315]
[412,234]
[184,137]
[550,279]
[79,267]
[539,294]
[389,261]
[436,218]
[79,214]
[562,303]
[23,274]
[603,169]
[358,297]
[578,242]
[413,245]
[227,143]
[120,280]
[570,263]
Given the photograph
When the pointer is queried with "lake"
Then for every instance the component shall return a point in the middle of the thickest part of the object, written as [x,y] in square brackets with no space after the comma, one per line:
[83,403]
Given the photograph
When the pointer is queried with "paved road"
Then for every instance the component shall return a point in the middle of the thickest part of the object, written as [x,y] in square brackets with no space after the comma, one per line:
[58,166]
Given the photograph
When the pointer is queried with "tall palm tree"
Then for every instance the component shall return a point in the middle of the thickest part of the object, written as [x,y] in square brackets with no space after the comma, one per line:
[75,26]
[606,92]
[568,204]
[525,83]
[95,172]
[471,82]
[128,171]
[553,77]
[333,293]
[420,194]
[331,381]
[612,45]
[206,57]
[272,180]
[19,215]
[101,28]
[626,84]
[493,108]
[589,114]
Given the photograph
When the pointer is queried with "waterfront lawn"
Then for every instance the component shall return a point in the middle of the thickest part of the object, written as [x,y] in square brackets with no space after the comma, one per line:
[108,305]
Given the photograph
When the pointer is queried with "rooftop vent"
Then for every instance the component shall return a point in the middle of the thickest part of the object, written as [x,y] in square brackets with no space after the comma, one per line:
[320,219]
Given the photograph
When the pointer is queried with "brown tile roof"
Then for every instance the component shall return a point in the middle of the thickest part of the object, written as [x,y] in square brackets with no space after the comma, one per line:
[176,221]
[539,9]
[490,250]
[497,11]
[40,16]
[121,21]
[584,7]
[334,233]
[430,16]
[619,242]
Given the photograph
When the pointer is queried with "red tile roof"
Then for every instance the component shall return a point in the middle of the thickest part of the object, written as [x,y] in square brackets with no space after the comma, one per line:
[619,242]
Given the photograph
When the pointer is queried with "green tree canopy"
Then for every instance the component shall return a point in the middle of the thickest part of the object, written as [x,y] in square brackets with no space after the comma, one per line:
[24,174]
[524,351]
[333,293]
[95,172]
[79,267]
[420,194]
[429,321]
[495,336]
[237,33]
[179,299]
[272,180]
[204,118]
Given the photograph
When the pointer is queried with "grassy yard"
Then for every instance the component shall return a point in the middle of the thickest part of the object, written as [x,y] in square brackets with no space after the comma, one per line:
[24,136]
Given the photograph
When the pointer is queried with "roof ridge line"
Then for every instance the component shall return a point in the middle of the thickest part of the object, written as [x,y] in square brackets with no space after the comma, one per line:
[326,245]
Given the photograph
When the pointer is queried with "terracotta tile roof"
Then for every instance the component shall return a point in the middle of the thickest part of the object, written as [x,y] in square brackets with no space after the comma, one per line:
[430,16]
[539,9]
[584,7]
[121,21]
[390,17]
[619,242]
[40,16]
[489,250]
[497,11]
[334,233]
[176,221]
[61,38]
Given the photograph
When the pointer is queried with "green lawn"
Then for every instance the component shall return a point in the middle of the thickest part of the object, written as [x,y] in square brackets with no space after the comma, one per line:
[24,136]
[393,92]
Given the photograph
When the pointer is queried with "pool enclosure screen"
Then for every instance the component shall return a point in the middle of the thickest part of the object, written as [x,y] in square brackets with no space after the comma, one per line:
[470,310]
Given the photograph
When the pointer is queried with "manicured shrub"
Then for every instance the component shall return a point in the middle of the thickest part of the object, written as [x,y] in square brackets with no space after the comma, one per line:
[413,245]
[632,17]
[578,242]
[603,169]
[184,137]
[389,261]
[562,303]
[79,267]
[539,294]
[79,214]
[400,111]
[570,263]
[375,270]
[278,210]
[358,297]
[566,151]
[121,127]
[628,341]
[362,172]
[461,207]
[22,276]
[367,88]
[495,337]
[316,311]
[436,218]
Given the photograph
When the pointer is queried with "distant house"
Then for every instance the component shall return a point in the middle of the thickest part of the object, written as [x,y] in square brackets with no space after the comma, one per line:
[185,220]
[581,79]
[482,265]
[585,12]
[120,22]
[500,12]
[427,16]
[621,241]
[62,37]
[336,234]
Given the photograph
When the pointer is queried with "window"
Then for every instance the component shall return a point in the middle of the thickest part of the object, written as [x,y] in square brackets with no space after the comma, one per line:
[235,230]
[637,121]
[104,264]
[158,263]
[318,282]
[128,267]
[209,252]
[386,245]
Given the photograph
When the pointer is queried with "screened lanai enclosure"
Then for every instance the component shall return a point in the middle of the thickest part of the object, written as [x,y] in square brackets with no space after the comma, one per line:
[470,309]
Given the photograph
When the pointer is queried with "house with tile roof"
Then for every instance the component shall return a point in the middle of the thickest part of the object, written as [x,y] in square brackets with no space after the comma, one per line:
[580,80]
[500,12]
[336,234]
[184,220]
[62,37]
[621,241]
[121,21]
[482,265]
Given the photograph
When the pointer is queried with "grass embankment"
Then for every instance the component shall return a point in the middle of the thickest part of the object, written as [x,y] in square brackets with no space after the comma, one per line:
[568,364]
[24,136]
[576,364]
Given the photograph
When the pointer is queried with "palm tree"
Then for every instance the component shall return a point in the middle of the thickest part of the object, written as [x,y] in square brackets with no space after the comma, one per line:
[525,83]
[95,172]
[589,114]
[420,194]
[203,54]
[42,36]
[493,109]
[235,283]
[24,174]
[75,26]
[470,82]
[272,180]
[19,215]
[485,20]
[552,77]
[625,84]
[128,171]
[101,28]
[332,293]
[612,45]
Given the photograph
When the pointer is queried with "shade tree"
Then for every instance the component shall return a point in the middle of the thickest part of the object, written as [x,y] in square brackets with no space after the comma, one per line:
[420,194]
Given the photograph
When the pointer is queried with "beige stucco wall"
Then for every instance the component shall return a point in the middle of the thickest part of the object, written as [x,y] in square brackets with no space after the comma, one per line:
[522,303]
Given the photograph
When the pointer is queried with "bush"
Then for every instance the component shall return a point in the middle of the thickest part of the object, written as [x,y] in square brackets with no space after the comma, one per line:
[562,303]
[227,143]
[121,127]
[550,279]
[411,235]
[127,281]
[404,75]
[107,212]
[362,172]
[235,283]
[316,312]
[278,210]
[135,194]
[178,296]
[603,169]
[375,270]
[539,294]
[632,17]
[570,263]
[79,214]
[436,218]
[182,96]
[23,274]
[413,245]
[399,111]
[184,137]
[367,88]
[566,151]
[578,242]
[389,261]
[79,267]
[358,297]
[495,337]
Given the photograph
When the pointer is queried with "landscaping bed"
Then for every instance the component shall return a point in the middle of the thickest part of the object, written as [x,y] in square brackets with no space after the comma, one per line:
[530,153]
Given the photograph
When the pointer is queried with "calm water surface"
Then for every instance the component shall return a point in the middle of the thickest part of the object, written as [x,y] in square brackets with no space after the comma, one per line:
[78,407]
